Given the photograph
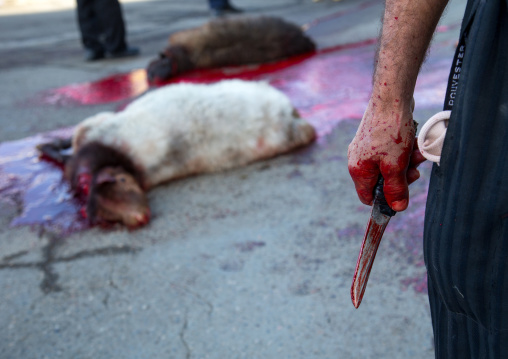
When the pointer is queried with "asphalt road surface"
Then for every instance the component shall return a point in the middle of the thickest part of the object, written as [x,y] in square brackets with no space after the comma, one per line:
[255,262]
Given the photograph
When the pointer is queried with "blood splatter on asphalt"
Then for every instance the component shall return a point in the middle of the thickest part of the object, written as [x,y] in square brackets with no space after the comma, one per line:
[37,187]
[326,87]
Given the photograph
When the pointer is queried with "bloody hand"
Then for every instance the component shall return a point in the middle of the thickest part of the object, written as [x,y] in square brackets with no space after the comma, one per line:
[385,144]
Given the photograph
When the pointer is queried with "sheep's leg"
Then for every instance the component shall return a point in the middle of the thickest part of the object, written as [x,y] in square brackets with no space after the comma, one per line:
[55,150]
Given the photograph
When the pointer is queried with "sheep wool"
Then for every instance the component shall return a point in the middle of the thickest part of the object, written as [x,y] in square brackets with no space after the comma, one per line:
[185,129]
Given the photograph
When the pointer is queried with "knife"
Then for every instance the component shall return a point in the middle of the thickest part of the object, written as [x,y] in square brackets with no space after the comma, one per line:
[379,218]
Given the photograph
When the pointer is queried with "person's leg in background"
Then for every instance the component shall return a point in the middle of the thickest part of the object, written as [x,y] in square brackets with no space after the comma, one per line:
[103,29]
[222,7]
[90,29]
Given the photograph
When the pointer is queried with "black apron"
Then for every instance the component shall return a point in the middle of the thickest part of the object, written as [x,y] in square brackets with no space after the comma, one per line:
[466,220]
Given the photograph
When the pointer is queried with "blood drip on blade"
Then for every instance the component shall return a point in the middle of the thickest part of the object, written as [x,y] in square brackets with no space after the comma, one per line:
[374,233]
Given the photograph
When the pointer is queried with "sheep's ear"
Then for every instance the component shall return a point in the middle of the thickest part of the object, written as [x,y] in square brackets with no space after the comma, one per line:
[105,177]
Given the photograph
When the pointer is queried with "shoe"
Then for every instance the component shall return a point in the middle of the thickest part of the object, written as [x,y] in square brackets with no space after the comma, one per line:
[128,52]
[226,10]
[93,55]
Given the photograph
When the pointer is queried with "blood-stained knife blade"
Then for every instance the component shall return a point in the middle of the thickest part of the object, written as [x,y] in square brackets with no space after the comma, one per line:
[379,218]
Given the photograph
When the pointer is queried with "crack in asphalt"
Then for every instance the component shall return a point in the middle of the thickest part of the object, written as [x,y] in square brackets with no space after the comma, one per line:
[195,295]
[14,256]
[49,282]
[50,279]
[182,337]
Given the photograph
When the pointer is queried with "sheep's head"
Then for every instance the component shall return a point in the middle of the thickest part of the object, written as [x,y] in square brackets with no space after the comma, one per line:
[116,196]
[173,61]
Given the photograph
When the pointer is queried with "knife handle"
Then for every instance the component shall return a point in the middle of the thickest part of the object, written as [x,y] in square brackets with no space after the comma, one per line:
[380,200]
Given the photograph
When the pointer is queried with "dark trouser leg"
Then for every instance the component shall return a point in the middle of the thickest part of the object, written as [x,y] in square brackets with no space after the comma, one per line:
[89,25]
[218,4]
[110,16]
[457,336]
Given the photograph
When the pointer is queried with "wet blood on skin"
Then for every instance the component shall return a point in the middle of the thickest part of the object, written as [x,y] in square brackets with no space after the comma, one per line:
[83,213]
[84,184]
[397,140]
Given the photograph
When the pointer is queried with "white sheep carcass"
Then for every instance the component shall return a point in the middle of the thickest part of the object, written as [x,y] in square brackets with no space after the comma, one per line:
[187,129]
[175,131]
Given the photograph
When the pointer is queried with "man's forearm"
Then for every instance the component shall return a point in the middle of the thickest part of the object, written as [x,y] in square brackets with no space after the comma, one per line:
[385,141]
[408,26]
